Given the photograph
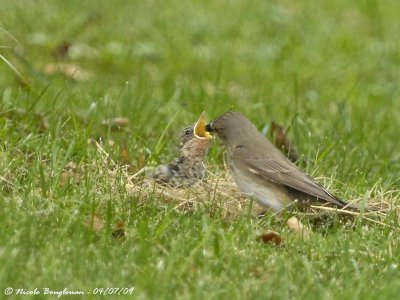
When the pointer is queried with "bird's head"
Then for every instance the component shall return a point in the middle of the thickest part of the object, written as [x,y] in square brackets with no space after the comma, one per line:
[231,126]
[195,139]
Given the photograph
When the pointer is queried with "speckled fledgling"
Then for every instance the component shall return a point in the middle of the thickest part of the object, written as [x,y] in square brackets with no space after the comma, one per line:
[189,167]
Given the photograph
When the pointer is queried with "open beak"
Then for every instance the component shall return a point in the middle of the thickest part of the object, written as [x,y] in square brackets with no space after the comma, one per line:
[200,128]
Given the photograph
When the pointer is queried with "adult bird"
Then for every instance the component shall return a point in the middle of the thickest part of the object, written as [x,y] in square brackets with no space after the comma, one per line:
[261,170]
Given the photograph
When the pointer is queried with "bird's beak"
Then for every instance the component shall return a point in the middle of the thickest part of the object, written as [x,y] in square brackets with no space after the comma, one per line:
[200,130]
[209,127]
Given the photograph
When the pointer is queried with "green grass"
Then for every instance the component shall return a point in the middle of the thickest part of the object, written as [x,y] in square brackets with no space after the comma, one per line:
[328,70]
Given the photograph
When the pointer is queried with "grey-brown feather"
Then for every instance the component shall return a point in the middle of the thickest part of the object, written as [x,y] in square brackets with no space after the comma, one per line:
[256,156]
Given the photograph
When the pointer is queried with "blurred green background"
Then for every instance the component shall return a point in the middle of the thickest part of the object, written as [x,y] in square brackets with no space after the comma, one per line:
[329,70]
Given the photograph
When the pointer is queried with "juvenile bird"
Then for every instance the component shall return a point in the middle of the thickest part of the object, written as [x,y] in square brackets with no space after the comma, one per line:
[189,167]
[262,170]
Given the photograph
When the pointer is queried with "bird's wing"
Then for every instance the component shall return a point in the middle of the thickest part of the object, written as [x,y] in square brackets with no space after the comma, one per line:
[289,175]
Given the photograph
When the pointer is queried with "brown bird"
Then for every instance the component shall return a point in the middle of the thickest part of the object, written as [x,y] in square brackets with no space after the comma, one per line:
[189,167]
[262,170]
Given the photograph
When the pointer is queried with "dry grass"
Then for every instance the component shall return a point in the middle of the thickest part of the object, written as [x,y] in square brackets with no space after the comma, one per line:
[220,192]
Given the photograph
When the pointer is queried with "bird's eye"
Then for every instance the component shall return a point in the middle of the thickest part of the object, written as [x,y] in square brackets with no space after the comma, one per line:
[187,132]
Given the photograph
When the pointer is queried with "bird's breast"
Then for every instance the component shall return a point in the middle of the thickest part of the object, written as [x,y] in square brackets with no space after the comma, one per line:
[267,193]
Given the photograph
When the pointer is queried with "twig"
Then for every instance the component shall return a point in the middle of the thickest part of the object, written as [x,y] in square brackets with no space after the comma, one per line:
[353,214]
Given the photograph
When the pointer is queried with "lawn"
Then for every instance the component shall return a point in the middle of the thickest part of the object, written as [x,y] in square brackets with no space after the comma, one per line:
[91,91]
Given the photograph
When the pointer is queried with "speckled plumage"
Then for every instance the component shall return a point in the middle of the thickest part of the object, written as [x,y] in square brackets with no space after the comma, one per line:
[189,167]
